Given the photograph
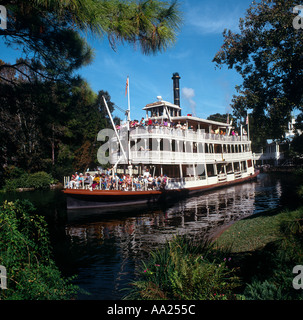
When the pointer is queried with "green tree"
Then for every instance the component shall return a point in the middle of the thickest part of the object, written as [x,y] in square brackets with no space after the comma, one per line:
[25,252]
[49,31]
[267,52]
[218,117]
[49,125]
[47,112]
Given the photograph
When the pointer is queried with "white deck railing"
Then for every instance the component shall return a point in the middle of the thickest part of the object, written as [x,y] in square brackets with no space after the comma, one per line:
[169,157]
[188,134]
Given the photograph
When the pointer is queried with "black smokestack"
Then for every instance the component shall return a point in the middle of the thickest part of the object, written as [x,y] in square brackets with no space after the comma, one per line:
[176,79]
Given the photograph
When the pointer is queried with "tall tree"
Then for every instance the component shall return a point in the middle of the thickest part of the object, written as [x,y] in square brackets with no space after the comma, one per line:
[267,52]
[50,31]
[47,113]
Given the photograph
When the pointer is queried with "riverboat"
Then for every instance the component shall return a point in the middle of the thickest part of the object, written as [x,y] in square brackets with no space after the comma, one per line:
[185,153]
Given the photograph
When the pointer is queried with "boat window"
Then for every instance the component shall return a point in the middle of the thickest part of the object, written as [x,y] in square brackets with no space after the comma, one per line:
[249,163]
[173,145]
[218,148]
[152,144]
[206,148]
[237,166]
[200,171]
[229,168]
[220,168]
[210,170]
[161,145]
[160,111]
[243,165]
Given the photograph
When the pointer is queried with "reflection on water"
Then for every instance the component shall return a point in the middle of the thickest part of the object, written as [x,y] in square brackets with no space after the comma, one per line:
[107,248]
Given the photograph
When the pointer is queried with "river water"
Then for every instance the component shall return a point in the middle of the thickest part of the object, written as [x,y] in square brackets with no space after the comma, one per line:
[106,248]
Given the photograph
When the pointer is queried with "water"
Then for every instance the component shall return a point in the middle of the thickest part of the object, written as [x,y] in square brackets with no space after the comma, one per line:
[105,248]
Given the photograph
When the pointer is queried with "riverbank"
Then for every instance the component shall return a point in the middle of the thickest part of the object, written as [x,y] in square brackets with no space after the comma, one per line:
[280,169]
[252,259]
[253,232]
[265,249]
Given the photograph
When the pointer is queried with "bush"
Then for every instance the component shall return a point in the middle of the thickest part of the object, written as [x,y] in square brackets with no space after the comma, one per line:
[275,281]
[26,253]
[38,180]
[185,270]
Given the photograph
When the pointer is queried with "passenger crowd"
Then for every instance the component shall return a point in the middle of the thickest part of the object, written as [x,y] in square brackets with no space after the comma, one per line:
[156,124]
[123,182]
[150,124]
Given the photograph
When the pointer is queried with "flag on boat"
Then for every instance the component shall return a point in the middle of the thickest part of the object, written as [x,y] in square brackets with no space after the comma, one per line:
[126,88]
[247,119]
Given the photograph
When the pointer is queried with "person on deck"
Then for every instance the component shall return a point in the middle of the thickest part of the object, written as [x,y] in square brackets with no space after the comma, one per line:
[88,180]
[96,181]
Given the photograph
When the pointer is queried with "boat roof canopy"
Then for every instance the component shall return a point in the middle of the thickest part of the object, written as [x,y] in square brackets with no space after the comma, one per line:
[200,120]
[160,104]
[190,119]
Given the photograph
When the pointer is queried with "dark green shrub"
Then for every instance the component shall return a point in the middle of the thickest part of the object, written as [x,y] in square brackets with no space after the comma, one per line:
[26,253]
[274,280]
[185,270]
[38,180]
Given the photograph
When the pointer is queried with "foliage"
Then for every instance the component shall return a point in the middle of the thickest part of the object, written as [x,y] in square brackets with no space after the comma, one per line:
[50,30]
[186,270]
[283,255]
[47,113]
[266,248]
[43,125]
[38,180]
[297,146]
[267,54]
[25,251]
[218,117]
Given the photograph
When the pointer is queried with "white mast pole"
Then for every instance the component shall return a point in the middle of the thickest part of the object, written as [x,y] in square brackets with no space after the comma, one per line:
[128,100]
[248,135]
[113,124]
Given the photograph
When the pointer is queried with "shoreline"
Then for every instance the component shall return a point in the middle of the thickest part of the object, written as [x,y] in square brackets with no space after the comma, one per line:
[218,232]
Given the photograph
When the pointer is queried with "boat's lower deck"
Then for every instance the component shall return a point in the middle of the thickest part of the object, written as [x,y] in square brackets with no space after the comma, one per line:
[81,198]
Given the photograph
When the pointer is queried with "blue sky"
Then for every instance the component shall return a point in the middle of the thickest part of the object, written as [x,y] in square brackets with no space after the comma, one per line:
[150,76]
[208,89]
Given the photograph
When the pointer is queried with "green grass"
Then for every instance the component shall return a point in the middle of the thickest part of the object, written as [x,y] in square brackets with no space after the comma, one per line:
[253,259]
[252,233]
[255,232]
[266,248]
